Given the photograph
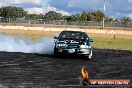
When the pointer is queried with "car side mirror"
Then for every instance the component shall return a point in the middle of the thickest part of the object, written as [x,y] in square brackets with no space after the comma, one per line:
[55,37]
[91,40]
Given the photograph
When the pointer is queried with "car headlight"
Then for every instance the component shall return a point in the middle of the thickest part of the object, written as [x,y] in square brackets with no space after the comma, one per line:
[85,46]
[61,45]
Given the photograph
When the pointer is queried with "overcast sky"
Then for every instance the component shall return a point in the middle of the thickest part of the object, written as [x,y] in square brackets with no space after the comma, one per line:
[114,8]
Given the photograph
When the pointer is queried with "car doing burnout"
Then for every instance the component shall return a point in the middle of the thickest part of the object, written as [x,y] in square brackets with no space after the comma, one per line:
[73,42]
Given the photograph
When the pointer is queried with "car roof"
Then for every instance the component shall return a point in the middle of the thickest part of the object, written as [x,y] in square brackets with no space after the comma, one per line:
[72,31]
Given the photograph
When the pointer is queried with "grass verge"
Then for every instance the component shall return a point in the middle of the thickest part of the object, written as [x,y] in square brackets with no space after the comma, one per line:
[109,43]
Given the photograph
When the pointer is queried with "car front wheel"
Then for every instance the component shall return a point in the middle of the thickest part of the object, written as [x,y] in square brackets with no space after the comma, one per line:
[55,53]
[89,57]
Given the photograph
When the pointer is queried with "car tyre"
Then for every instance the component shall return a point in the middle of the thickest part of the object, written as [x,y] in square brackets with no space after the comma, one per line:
[89,57]
[55,53]
[91,54]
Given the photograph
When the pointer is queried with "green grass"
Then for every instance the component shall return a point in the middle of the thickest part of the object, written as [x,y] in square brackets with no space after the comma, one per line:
[108,43]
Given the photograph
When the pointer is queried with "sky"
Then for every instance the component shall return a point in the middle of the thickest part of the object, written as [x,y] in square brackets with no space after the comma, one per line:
[114,8]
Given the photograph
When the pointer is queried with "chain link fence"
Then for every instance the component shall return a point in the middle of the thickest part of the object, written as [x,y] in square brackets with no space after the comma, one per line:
[23,22]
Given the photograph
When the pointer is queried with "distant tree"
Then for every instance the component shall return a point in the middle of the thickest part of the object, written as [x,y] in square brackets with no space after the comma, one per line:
[78,17]
[34,16]
[107,19]
[125,20]
[83,16]
[18,12]
[12,12]
[97,15]
[87,16]
[51,15]
[90,17]
[64,17]
[116,20]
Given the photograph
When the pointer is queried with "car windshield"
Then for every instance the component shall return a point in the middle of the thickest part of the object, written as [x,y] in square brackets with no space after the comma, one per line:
[72,35]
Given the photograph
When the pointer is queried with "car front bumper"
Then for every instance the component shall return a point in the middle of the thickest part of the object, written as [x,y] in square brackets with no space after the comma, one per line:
[75,51]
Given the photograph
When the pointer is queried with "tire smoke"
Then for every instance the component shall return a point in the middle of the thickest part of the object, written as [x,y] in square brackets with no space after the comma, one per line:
[15,44]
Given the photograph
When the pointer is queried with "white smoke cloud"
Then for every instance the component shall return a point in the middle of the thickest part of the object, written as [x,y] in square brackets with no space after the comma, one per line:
[27,1]
[130,1]
[130,15]
[14,44]
[43,10]
[35,10]
[50,8]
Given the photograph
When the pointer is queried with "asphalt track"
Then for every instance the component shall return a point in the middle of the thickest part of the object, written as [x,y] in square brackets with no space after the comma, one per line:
[20,70]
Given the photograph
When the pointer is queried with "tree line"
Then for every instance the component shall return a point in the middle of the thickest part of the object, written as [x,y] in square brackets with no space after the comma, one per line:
[11,12]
